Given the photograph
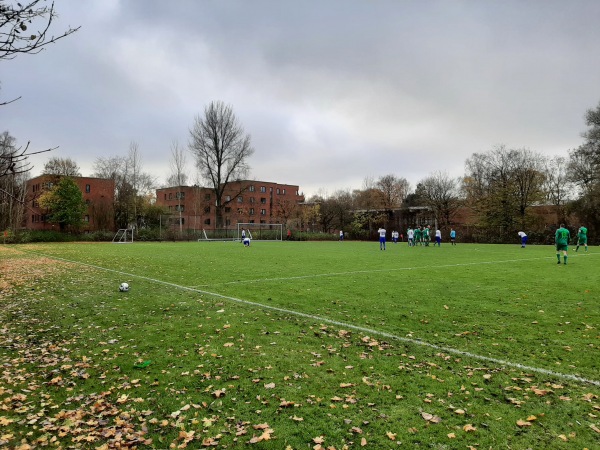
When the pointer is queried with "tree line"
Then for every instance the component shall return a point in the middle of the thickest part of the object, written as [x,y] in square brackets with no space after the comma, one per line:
[499,187]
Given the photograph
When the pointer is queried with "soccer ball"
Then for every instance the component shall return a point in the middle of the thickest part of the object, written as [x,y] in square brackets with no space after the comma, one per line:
[124,287]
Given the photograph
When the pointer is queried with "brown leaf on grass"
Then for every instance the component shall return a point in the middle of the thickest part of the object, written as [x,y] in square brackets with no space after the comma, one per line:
[469,428]
[523,423]
[218,393]
[540,392]
[391,436]
[270,386]
[318,440]
[451,436]
[595,428]
[285,404]
[430,417]
[356,430]
[363,442]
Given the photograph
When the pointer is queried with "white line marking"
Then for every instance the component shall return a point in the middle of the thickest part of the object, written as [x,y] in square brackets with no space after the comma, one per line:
[564,376]
[356,272]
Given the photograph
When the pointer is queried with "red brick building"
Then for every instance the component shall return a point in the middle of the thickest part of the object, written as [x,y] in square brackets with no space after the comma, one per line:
[243,202]
[98,194]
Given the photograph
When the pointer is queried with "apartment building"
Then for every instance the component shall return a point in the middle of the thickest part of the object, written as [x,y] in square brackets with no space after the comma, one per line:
[98,194]
[246,201]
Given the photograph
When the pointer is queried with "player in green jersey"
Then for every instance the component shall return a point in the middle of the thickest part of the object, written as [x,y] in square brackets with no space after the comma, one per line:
[581,237]
[561,237]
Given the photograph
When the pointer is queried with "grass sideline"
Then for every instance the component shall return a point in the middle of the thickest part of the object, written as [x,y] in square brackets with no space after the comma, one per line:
[332,360]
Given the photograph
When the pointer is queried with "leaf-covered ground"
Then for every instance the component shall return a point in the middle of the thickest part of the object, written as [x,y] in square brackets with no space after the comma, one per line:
[84,366]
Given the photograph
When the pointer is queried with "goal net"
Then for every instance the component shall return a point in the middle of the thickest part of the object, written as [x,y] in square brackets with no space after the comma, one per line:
[123,236]
[261,231]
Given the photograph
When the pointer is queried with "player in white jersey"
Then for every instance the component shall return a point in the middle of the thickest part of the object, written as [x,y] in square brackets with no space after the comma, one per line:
[381,232]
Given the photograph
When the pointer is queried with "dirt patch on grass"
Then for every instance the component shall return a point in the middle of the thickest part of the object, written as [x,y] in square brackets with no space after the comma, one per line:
[18,269]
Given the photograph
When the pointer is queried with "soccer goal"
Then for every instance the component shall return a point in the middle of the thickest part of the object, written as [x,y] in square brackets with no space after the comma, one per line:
[123,236]
[217,235]
[261,231]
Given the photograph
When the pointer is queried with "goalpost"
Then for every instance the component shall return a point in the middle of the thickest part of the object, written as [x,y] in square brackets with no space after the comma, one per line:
[123,236]
[261,231]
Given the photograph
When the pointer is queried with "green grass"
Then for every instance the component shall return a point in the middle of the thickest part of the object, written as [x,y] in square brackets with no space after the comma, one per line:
[299,344]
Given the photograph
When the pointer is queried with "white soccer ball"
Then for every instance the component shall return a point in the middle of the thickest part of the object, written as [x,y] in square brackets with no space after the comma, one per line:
[124,287]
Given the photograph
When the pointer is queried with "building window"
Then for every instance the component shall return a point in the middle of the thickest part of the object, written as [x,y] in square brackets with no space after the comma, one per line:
[252,199]
[227,209]
[170,195]
[283,191]
[263,212]
[86,218]
[251,211]
[251,188]
[179,208]
[228,198]
[240,210]
[180,195]
[251,221]
[278,191]
[240,199]
[206,221]
[263,200]
[206,196]
[207,209]
[263,221]
[88,188]
[263,189]
[227,222]
[297,192]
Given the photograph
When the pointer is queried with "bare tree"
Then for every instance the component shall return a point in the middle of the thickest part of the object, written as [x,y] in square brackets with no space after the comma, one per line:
[556,184]
[61,166]
[221,148]
[12,186]
[178,164]
[17,32]
[133,187]
[18,36]
[440,192]
[393,191]
[178,176]
[14,160]
[528,175]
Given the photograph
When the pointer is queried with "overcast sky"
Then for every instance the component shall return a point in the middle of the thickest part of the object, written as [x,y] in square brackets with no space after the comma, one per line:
[331,92]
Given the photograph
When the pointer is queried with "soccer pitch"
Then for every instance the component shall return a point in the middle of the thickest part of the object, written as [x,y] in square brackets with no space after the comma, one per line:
[309,344]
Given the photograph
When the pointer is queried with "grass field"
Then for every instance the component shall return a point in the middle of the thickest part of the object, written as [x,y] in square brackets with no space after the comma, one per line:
[299,345]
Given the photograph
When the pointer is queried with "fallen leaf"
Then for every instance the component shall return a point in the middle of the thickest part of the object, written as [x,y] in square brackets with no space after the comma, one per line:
[431,418]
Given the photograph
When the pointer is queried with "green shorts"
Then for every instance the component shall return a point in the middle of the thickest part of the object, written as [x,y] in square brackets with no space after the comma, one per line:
[582,241]
[563,247]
